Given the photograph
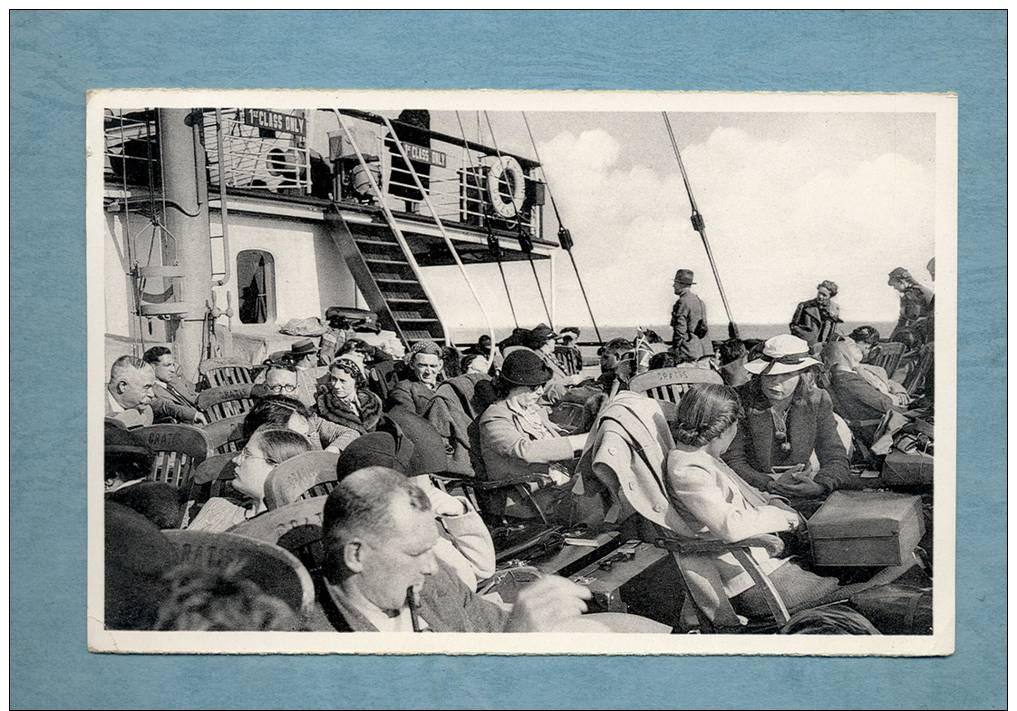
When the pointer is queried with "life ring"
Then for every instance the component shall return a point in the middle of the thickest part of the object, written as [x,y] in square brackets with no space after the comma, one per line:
[507,168]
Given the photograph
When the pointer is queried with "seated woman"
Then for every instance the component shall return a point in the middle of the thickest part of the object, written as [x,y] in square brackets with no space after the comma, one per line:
[543,340]
[787,419]
[713,503]
[517,438]
[266,449]
[348,402]
[861,398]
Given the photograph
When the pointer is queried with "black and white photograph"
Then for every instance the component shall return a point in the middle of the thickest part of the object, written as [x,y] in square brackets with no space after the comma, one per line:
[636,372]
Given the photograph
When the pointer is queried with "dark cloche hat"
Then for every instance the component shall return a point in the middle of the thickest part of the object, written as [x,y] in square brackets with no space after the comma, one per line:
[524,367]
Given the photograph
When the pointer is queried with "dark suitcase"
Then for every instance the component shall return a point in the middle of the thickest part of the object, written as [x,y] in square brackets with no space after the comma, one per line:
[897,608]
[866,529]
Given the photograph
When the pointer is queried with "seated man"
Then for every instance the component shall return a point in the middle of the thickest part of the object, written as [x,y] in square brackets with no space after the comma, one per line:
[611,354]
[425,359]
[130,392]
[175,397]
[381,573]
[304,356]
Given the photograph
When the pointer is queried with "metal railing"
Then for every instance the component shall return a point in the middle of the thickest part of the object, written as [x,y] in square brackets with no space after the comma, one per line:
[251,160]
[455,173]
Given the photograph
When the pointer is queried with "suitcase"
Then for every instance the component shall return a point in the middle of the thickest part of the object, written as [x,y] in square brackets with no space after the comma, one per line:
[637,578]
[897,608]
[866,529]
[907,468]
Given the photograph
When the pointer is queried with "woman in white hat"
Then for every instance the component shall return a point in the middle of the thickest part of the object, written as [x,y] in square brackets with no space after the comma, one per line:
[787,420]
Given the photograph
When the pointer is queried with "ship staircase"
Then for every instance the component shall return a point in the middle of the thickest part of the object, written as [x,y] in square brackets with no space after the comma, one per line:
[382,261]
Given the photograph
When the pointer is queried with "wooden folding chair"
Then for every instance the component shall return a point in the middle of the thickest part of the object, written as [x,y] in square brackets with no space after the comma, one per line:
[226,435]
[213,477]
[295,527]
[304,476]
[217,372]
[178,450]
[670,384]
[887,355]
[224,402]
[274,569]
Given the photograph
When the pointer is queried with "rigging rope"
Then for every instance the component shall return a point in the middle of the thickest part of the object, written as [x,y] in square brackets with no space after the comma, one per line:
[441,227]
[564,236]
[492,241]
[699,225]
[524,241]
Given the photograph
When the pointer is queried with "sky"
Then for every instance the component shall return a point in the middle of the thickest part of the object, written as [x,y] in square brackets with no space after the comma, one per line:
[790,199]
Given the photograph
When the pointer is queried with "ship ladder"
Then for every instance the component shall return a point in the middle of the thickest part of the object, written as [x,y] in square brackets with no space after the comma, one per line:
[383,263]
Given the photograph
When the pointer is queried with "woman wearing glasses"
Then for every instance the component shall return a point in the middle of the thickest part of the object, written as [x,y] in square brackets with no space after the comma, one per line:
[787,420]
[266,449]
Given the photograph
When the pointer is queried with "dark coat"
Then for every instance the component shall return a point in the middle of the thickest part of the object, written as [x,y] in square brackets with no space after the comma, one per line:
[175,401]
[412,394]
[860,404]
[446,604]
[333,409]
[810,427]
[813,323]
[689,310]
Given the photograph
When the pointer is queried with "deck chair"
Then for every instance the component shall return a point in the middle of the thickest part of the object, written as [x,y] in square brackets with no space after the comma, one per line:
[226,435]
[295,527]
[217,372]
[456,404]
[212,477]
[275,570]
[887,355]
[670,384]
[178,450]
[920,370]
[224,402]
[304,476]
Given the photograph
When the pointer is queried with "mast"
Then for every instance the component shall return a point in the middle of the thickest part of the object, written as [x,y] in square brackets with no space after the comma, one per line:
[186,218]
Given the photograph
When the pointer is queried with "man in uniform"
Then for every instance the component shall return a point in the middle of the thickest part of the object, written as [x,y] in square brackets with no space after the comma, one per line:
[688,321]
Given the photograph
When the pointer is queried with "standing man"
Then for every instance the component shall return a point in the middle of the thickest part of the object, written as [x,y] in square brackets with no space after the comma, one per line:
[174,398]
[688,321]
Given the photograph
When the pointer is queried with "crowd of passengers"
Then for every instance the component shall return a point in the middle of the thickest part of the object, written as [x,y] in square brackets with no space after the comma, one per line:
[745,458]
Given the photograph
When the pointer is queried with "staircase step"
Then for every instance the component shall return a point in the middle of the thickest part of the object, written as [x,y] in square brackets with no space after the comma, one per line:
[412,336]
[413,319]
[379,260]
[396,280]
[404,300]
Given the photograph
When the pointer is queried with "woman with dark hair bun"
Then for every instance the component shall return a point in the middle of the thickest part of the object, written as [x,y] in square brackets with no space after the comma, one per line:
[713,503]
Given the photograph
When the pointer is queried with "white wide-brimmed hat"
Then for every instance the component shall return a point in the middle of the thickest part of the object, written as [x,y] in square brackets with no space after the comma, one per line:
[782,354]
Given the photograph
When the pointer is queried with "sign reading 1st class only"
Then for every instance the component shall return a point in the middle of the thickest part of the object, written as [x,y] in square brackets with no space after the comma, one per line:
[420,154]
[275,121]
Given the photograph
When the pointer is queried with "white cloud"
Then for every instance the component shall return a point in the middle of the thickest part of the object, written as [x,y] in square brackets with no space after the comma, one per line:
[781,216]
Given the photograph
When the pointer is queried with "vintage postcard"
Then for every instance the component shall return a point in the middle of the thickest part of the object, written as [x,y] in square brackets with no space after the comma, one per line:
[495,372]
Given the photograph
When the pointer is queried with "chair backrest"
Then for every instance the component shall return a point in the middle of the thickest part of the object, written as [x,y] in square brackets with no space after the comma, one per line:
[217,372]
[916,376]
[302,477]
[295,527]
[225,402]
[671,383]
[886,355]
[213,477]
[178,450]
[275,570]
[225,435]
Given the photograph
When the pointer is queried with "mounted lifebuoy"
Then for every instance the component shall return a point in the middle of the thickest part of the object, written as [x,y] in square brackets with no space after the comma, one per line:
[507,169]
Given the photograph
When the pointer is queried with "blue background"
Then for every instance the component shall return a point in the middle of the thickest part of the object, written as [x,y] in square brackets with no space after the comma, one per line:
[56,56]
